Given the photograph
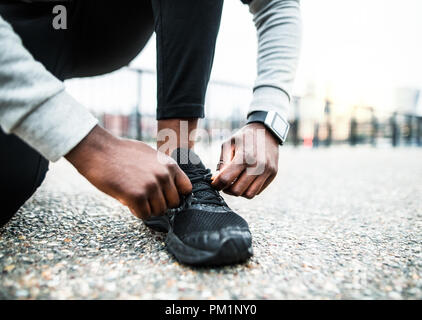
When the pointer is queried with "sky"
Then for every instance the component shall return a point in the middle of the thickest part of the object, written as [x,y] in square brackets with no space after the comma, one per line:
[360,51]
[353,52]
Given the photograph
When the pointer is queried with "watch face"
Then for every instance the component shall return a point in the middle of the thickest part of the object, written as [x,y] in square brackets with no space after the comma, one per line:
[280,126]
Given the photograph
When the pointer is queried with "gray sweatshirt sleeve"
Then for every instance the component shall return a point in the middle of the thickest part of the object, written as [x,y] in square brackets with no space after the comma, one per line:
[33,103]
[278,26]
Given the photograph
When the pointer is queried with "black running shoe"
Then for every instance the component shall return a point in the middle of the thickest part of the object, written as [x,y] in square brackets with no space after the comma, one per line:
[203,230]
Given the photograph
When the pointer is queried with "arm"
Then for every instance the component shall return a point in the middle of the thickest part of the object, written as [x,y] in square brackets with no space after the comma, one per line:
[33,103]
[278,28]
[35,107]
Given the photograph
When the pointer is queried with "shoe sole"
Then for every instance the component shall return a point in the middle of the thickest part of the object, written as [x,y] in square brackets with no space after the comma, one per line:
[231,251]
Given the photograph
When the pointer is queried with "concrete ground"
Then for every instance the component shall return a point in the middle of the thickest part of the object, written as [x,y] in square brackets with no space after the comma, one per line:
[337,223]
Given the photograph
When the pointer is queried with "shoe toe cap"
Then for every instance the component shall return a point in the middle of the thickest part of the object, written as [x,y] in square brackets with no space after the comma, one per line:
[228,241]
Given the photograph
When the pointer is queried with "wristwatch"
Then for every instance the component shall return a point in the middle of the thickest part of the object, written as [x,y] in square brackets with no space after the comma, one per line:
[273,122]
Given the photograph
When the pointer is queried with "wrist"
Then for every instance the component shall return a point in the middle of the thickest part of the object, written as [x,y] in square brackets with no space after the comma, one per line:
[97,141]
[269,136]
[273,122]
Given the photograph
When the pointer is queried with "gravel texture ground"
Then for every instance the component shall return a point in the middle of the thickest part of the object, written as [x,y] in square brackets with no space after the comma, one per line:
[337,223]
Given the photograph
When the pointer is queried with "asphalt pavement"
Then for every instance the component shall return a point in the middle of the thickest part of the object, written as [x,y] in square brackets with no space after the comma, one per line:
[338,223]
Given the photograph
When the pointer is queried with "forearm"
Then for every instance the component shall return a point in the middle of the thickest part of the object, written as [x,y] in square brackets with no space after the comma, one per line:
[33,103]
[278,26]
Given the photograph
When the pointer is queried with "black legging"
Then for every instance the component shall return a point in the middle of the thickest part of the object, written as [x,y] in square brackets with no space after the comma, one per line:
[103,36]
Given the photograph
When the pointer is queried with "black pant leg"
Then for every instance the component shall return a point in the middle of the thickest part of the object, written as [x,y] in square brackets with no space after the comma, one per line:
[108,35]
[101,37]
[186,36]
[33,23]
[22,171]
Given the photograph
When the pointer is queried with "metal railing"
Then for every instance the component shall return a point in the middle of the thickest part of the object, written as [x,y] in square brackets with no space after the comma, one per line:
[133,89]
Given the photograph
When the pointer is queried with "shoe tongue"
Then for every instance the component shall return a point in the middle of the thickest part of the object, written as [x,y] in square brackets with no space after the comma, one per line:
[189,162]
[187,159]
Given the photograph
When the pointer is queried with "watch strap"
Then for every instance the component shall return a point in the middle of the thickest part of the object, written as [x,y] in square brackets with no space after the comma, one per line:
[257,116]
[260,116]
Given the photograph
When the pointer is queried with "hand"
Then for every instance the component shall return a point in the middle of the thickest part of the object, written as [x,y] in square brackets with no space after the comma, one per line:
[130,171]
[248,163]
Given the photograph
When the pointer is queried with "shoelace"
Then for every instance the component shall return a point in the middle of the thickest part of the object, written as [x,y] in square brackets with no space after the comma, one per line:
[201,181]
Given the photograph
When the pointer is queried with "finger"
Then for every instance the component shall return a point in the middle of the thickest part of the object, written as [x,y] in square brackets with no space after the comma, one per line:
[182,182]
[242,184]
[141,209]
[255,186]
[232,168]
[171,194]
[226,155]
[158,203]
[228,191]
[227,177]
[267,183]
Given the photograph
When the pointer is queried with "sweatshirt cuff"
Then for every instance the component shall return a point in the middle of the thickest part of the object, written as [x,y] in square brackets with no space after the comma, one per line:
[267,98]
[56,126]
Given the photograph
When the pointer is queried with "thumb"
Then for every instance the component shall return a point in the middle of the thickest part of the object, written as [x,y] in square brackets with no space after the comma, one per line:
[182,182]
[226,155]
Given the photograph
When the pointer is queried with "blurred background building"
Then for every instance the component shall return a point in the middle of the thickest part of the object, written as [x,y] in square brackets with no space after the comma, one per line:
[359,80]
